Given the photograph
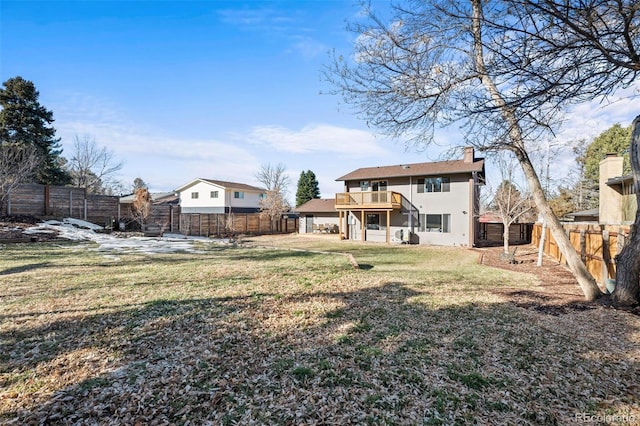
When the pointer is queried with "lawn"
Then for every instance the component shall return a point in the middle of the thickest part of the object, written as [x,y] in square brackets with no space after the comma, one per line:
[286,331]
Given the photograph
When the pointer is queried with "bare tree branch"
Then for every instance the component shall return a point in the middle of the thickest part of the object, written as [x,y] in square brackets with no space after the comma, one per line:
[93,167]
[18,163]
[275,180]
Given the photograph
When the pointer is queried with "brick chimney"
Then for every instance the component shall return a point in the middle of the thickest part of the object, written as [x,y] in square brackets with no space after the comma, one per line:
[610,208]
[468,154]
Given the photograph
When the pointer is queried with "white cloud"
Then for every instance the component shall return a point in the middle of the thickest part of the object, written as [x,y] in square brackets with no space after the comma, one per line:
[588,120]
[322,138]
[308,48]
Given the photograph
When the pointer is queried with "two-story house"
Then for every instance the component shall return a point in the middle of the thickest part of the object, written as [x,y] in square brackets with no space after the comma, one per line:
[218,196]
[424,203]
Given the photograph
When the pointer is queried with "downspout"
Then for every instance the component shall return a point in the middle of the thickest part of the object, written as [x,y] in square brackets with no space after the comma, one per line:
[410,206]
[472,198]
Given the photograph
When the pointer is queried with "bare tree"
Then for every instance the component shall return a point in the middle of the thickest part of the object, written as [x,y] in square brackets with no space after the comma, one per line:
[275,181]
[141,206]
[510,202]
[437,64]
[93,167]
[570,50]
[583,50]
[18,163]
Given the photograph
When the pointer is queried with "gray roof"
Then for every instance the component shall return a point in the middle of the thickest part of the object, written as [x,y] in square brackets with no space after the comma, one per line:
[225,184]
[590,212]
[627,179]
[318,205]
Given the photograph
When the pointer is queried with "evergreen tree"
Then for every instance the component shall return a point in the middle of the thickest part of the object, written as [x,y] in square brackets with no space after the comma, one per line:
[307,188]
[614,140]
[23,121]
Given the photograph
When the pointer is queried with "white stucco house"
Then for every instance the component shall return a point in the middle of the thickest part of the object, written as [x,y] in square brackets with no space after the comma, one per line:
[218,196]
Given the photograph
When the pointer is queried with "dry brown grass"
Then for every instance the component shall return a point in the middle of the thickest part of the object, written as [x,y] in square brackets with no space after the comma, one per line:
[250,335]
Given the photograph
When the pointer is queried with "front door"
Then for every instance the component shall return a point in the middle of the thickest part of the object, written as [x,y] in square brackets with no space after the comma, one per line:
[309,224]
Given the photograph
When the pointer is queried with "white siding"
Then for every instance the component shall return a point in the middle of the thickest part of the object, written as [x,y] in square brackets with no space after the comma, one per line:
[205,204]
[251,199]
[204,196]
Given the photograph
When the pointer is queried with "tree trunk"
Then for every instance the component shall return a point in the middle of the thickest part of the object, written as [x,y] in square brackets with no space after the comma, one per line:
[586,282]
[517,146]
[505,237]
[627,291]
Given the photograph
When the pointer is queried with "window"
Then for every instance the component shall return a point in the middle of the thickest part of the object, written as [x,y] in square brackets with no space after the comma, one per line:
[434,184]
[373,221]
[379,186]
[194,195]
[238,194]
[435,223]
[364,185]
[263,196]
[214,194]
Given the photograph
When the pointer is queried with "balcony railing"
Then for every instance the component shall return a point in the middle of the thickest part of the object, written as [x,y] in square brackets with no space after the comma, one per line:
[368,199]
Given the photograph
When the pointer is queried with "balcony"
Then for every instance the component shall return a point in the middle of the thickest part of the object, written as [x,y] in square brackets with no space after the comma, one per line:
[369,200]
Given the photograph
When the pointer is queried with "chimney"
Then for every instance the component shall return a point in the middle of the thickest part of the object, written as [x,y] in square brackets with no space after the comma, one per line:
[468,154]
[610,205]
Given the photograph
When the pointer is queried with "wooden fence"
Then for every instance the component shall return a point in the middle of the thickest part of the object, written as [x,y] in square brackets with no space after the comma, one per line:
[165,215]
[598,246]
[45,201]
[61,201]
[220,224]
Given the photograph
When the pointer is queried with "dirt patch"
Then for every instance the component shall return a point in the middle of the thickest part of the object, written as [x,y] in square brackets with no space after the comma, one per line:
[558,292]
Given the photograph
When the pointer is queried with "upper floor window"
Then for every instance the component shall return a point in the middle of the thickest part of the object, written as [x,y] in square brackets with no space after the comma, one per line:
[380,185]
[214,194]
[238,194]
[194,195]
[434,184]
[364,185]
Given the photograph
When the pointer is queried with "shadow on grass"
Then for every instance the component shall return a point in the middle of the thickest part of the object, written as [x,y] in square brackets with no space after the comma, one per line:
[256,358]
[24,268]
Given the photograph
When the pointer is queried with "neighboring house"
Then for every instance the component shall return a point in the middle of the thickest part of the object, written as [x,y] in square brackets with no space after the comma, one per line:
[217,196]
[318,215]
[425,203]
[617,198]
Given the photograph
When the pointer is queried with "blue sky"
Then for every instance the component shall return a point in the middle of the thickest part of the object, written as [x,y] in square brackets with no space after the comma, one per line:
[211,89]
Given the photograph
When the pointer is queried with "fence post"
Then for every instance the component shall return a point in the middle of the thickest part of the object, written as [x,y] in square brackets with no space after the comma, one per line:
[541,242]
[47,196]
[605,255]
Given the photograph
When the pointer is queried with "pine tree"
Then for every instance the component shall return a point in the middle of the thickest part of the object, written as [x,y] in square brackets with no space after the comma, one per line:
[25,122]
[308,188]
